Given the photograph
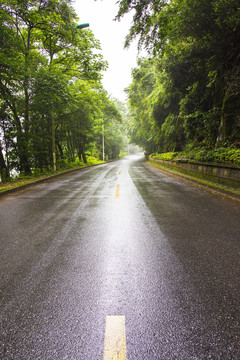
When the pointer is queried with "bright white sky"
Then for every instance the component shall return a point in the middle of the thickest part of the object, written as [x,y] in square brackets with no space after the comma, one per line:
[100,14]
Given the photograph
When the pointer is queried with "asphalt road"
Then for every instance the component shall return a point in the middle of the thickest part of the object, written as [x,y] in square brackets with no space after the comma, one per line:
[123,240]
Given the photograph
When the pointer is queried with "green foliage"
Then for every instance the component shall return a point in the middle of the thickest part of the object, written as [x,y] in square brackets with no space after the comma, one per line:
[189,91]
[122,155]
[51,96]
[143,103]
[4,176]
[91,160]
[220,155]
[165,156]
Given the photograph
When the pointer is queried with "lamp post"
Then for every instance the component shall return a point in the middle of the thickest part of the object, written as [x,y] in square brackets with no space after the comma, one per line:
[103,145]
[82,26]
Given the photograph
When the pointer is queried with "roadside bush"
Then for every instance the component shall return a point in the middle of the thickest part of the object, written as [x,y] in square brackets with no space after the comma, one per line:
[227,155]
[65,164]
[91,160]
[122,154]
[165,156]
[204,155]
[220,155]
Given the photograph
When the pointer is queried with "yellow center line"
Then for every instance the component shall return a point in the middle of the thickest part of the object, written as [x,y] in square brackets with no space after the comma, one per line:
[115,347]
[117,194]
[119,173]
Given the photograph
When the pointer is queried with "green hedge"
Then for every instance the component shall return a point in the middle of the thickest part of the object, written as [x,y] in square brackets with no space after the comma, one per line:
[220,156]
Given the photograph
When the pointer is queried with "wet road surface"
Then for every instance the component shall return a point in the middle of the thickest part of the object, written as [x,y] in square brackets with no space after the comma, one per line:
[119,243]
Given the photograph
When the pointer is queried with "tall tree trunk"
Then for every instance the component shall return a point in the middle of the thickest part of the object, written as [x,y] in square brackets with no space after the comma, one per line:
[22,145]
[26,110]
[53,142]
[81,152]
[60,150]
[26,83]
[4,172]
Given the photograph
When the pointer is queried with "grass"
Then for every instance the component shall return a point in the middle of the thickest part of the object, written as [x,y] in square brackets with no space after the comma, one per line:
[25,180]
[19,182]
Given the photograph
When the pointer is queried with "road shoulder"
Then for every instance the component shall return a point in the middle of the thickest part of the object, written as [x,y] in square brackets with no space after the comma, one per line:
[214,187]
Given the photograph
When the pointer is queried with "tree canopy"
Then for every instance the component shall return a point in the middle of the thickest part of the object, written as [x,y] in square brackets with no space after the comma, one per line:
[188,91]
[51,95]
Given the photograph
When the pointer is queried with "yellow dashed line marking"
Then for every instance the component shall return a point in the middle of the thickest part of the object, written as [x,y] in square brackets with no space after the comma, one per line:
[119,173]
[115,347]
[117,194]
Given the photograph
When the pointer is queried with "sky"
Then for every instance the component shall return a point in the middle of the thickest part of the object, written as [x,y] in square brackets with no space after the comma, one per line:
[100,14]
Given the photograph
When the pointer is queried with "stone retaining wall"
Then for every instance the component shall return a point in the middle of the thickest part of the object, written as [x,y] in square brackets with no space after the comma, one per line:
[227,175]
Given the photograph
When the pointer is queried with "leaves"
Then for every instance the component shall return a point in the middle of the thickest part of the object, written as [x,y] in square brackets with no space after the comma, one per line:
[50,83]
[194,95]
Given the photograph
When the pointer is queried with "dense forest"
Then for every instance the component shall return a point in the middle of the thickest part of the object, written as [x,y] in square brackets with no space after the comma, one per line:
[53,108]
[186,94]
[54,111]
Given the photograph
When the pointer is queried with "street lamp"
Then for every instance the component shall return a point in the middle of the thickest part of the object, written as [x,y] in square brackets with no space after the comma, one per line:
[82,26]
[103,145]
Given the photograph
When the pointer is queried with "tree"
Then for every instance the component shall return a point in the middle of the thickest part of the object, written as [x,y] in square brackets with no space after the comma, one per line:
[4,173]
[196,46]
[42,55]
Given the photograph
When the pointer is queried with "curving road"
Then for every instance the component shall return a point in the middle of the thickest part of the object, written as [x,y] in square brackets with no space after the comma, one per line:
[120,248]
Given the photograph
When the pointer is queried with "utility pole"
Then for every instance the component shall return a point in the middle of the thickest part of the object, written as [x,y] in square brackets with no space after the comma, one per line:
[53,143]
[103,145]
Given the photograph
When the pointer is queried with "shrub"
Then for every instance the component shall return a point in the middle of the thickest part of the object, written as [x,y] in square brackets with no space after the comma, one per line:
[220,155]
[165,156]
[91,160]
[122,154]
